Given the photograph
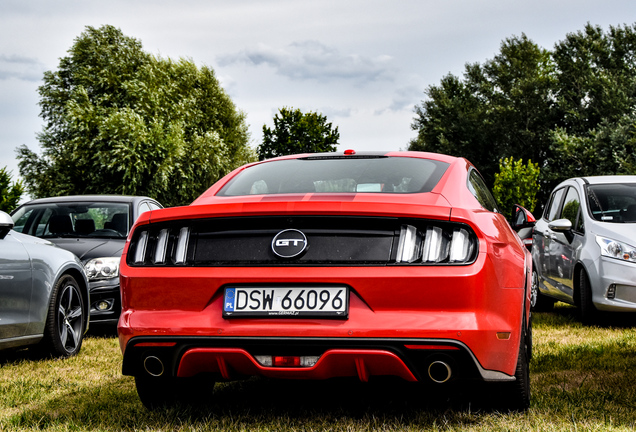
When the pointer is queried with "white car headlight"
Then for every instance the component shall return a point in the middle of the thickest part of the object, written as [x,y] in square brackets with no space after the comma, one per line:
[102,268]
[615,249]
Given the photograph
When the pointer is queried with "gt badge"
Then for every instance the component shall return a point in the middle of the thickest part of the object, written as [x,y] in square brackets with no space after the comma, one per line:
[289,243]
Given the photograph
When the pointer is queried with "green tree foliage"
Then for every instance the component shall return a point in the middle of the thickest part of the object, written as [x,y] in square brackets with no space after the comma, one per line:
[596,100]
[10,193]
[516,183]
[498,109]
[120,120]
[572,108]
[297,132]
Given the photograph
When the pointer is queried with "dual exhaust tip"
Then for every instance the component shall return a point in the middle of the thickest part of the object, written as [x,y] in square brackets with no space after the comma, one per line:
[154,366]
[438,371]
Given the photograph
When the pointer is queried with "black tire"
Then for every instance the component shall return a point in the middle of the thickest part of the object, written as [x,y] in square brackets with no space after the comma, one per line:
[66,319]
[515,395]
[587,310]
[538,301]
[167,392]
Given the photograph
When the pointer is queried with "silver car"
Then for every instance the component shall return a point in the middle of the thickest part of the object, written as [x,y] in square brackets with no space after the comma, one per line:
[43,294]
[584,246]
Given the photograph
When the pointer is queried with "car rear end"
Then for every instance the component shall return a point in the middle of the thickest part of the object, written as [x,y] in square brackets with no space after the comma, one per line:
[318,286]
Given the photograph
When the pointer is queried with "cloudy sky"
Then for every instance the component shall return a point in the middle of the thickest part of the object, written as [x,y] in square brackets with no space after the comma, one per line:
[365,64]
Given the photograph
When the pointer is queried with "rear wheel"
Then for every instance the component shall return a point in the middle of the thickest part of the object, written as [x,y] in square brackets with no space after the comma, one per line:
[538,301]
[587,311]
[515,395]
[66,320]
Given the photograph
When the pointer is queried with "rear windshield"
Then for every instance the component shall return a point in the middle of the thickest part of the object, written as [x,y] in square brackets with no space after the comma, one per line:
[614,203]
[74,219]
[332,175]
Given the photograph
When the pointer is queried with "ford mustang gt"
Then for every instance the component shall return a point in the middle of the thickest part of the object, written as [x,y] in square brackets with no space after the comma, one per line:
[321,266]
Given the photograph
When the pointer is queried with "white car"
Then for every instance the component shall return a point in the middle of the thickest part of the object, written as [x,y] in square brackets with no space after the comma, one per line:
[584,246]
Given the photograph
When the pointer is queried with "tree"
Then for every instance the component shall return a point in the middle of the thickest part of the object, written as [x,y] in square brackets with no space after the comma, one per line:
[10,194]
[572,109]
[296,132]
[516,183]
[120,120]
[596,98]
[499,109]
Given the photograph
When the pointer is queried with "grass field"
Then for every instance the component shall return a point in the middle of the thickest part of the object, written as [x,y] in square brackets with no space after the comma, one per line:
[583,378]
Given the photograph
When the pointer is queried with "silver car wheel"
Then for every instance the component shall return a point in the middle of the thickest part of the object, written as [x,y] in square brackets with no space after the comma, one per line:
[534,289]
[70,320]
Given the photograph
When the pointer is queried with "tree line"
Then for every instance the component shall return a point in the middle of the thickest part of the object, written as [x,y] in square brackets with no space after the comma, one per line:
[571,110]
[120,120]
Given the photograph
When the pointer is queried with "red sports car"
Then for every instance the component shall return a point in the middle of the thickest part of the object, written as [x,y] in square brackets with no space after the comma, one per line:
[319,266]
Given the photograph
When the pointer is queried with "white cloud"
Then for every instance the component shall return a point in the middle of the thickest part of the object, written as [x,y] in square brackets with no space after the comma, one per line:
[404,98]
[20,68]
[312,60]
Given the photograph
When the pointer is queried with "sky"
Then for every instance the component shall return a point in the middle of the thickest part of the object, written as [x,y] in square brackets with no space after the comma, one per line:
[365,64]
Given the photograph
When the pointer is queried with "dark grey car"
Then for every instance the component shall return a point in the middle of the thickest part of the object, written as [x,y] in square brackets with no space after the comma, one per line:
[93,227]
[43,294]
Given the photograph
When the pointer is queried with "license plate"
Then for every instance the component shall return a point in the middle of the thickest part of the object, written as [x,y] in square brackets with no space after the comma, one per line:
[286,302]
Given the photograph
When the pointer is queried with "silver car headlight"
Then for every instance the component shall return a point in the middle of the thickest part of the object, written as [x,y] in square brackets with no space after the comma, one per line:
[615,249]
[102,268]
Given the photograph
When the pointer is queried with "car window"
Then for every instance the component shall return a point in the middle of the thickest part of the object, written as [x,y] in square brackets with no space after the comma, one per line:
[154,206]
[555,202]
[74,219]
[350,174]
[479,189]
[571,207]
[20,219]
[615,203]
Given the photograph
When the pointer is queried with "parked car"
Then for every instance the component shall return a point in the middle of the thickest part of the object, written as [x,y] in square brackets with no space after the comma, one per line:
[43,294]
[93,227]
[330,265]
[584,246]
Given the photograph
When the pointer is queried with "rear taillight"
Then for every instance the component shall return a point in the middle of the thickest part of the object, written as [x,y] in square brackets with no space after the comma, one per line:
[165,246]
[436,244]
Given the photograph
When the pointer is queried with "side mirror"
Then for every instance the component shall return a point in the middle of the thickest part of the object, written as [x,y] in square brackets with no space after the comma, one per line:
[522,218]
[561,225]
[6,224]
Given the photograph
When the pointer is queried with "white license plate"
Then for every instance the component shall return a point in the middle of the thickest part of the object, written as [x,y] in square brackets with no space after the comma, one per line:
[286,301]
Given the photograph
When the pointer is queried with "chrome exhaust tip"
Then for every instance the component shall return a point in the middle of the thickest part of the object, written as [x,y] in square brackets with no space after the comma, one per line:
[154,366]
[439,371]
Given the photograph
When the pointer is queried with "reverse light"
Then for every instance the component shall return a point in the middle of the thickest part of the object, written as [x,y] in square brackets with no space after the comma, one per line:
[287,361]
[615,249]
[102,268]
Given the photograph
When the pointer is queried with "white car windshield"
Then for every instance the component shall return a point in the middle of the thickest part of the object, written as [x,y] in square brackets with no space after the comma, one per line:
[615,203]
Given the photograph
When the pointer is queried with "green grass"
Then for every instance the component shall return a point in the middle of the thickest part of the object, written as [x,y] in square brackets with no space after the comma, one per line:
[582,379]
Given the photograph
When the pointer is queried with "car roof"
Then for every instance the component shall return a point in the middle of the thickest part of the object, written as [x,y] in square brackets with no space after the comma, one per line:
[365,154]
[609,179]
[83,198]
